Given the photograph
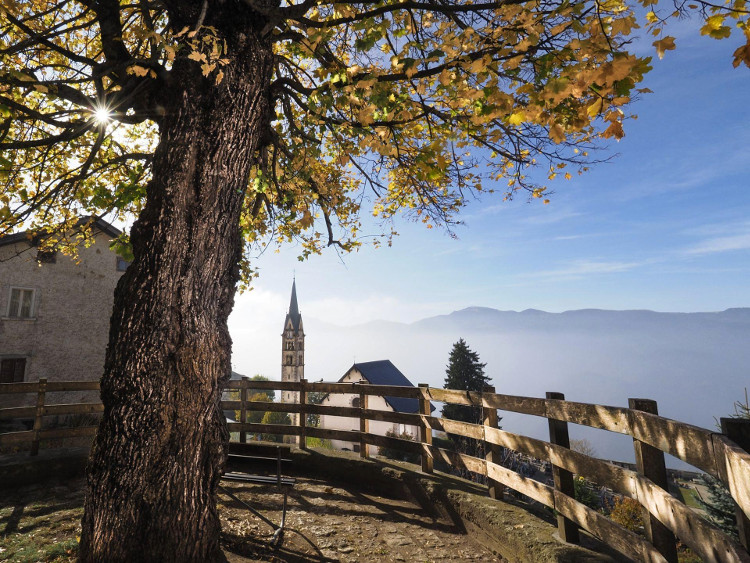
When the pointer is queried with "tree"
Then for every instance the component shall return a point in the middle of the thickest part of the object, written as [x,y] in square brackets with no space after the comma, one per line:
[464,372]
[224,125]
[270,394]
[720,506]
[274,417]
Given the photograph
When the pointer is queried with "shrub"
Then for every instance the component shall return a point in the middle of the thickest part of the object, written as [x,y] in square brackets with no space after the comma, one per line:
[399,455]
[628,513]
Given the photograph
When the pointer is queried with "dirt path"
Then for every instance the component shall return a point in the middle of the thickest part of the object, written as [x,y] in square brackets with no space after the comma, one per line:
[339,523]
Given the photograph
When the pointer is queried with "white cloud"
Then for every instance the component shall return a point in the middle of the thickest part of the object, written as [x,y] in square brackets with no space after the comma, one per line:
[721,244]
[580,268]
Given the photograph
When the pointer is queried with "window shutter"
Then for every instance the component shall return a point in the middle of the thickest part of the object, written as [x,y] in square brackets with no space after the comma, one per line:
[6,371]
[12,370]
[20,370]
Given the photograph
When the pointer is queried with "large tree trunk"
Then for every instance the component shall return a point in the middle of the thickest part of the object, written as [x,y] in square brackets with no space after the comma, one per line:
[158,454]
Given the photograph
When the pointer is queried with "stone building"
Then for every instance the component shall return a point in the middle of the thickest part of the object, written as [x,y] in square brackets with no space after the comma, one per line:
[55,311]
[381,372]
[292,350]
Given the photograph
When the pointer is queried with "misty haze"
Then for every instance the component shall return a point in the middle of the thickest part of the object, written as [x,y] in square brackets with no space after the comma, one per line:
[692,364]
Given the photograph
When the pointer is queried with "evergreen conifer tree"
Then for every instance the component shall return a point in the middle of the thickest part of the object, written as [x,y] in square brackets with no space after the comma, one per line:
[719,505]
[464,372]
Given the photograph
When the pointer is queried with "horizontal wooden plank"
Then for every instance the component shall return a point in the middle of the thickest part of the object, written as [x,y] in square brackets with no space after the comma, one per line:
[357,388]
[349,412]
[390,416]
[285,429]
[513,403]
[263,385]
[17,412]
[393,443]
[458,427]
[55,386]
[73,408]
[75,432]
[517,442]
[617,478]
[330,434]
[689,443]
[456,397]
[733,464]
[540,492]
[267,406]
[706,540]
[26,387]
[16,437]
[614,419]
[461,461]
[623,540]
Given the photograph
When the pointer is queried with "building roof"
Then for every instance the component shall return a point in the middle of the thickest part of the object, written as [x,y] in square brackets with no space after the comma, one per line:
[383,372]
[293,314]
[98,222]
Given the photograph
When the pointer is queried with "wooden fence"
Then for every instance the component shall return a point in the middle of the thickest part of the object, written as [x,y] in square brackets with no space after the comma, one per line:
[665,518]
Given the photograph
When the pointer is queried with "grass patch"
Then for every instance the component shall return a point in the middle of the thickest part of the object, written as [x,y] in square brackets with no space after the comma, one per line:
[690,497]
[41,523]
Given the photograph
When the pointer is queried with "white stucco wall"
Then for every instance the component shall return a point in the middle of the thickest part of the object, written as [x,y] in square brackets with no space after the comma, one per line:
[345,423]
[66,337]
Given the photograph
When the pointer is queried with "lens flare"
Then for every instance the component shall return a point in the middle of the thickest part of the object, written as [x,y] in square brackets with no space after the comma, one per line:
[102,115]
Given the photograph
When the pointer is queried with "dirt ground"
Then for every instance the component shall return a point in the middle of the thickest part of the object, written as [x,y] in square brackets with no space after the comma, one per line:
[325,522]
[339,523]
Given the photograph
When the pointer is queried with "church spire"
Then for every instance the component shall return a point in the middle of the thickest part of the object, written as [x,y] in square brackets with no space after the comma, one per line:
[293,313]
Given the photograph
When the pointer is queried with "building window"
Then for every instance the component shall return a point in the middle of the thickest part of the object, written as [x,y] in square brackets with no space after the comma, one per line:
[122,264]
[290,345]
[21,304]
[355,402]
[12,370]
[46,256]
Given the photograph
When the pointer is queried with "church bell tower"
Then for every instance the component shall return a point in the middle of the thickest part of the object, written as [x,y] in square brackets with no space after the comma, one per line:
[292,350]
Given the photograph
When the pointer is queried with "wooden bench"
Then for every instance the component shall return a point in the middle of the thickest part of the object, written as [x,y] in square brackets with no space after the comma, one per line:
[259,455]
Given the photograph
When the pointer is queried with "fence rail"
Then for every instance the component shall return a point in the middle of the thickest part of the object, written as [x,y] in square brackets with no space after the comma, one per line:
[665,517]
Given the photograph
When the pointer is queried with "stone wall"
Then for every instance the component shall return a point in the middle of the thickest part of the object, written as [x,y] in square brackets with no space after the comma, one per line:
[66,336]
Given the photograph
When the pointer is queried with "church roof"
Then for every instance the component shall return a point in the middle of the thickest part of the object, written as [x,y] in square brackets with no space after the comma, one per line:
[293,314]
[383,372]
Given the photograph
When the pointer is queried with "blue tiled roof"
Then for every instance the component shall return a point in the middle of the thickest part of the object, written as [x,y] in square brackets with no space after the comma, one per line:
[383,372]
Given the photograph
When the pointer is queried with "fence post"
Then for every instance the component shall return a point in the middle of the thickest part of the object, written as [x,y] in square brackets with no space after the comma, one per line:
[364,425]
[425,428]
[39,414]
[558,434]
[302,442]
[243,406]
[738,430]
[492,453]
[649,462]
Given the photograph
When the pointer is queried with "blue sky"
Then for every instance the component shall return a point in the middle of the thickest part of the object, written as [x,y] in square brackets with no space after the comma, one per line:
[665,225]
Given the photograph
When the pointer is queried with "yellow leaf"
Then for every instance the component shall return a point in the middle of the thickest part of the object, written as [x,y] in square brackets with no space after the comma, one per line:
[137,70]
[197,56]
[556,133]
[516,118]
[651,17]
[594,109]
[614,130]
[662,45]
[742,55]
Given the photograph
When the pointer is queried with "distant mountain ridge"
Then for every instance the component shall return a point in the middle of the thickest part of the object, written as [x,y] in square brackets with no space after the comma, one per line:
[486,318]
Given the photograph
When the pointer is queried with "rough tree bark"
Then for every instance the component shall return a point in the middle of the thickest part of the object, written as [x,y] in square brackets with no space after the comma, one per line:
[157,456]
